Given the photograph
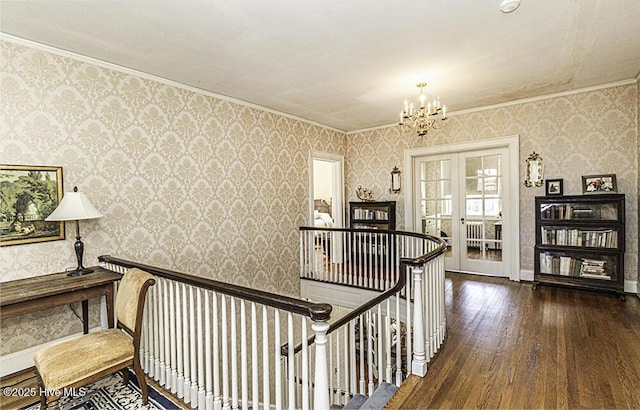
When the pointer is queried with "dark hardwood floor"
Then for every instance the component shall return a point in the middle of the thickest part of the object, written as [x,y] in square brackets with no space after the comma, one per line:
[513,347]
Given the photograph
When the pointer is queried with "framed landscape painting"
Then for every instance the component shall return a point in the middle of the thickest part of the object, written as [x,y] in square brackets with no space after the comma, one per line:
[28,194]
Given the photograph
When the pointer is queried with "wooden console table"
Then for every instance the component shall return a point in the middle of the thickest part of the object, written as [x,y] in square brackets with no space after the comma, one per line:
[22,296]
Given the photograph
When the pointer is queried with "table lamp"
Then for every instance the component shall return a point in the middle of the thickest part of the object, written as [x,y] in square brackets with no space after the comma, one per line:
[75,206]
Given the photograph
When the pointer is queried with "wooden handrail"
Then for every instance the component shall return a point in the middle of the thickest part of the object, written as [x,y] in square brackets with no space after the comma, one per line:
[386,294]
[316,311]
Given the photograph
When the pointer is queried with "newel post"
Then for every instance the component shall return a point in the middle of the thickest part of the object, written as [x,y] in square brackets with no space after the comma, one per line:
[321,391]
[320,316]
[419,361]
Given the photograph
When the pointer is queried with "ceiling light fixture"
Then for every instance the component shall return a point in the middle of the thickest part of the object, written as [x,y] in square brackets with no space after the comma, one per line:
[507,6]
[433,115]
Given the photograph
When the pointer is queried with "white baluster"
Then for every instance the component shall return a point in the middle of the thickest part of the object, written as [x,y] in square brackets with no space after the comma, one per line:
[266,397]
[217,398]
[186,342]
[332,368]
[173,375]
[387,335]
[165,373]
[255,389]
[276,356]
[409,322]
[290,363]
[207,352]
[362,354]
[345,349]
[305,367]
[225,353]
[369,354]
[149,357]
[419,362]
[375,262]
[431,308]
[157,334]
[234,356]
[201,346]
[321,393]
[243,356]
[399,341]
[379,341]
[179,347]
[338,369]
[352,366]
[193,394]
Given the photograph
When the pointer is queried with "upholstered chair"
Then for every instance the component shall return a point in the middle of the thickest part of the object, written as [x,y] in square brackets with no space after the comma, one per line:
[82,360]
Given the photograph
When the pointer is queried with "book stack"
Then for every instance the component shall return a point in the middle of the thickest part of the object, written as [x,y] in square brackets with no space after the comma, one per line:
[593,269]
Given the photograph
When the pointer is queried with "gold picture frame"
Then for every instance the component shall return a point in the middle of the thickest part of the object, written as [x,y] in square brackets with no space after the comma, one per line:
[29,193]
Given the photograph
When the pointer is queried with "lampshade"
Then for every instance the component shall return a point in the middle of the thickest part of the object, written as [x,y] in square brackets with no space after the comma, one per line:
[74,207]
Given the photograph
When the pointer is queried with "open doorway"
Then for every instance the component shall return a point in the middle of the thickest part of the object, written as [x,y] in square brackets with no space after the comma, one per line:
[326,199]
[326,203]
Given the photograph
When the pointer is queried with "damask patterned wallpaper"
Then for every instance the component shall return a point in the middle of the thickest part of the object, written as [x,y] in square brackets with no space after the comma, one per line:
[579,134]
[186,181]
[215,188]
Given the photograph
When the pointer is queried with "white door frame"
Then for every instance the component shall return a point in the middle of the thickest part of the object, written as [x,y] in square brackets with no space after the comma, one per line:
[337,186]
[510,247]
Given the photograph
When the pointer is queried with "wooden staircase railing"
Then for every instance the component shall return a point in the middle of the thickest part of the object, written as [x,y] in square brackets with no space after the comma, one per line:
[216,345]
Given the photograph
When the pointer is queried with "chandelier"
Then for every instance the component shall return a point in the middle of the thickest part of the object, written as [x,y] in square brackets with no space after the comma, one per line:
[433,115]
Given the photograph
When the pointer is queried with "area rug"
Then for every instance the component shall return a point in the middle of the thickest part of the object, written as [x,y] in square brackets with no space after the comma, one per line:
[111,393]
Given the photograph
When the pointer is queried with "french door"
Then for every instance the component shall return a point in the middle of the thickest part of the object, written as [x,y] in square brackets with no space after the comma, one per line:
[462,198]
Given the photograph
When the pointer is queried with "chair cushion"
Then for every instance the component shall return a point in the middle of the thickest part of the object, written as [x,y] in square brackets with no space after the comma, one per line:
[65,363]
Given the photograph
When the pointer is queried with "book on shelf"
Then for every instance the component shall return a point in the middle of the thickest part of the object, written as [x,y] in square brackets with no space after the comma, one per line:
[370,214]
[607,238]
[552,264]
[594,269]
[559,265]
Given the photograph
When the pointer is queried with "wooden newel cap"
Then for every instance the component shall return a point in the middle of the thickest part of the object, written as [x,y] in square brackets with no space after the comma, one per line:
[320,312]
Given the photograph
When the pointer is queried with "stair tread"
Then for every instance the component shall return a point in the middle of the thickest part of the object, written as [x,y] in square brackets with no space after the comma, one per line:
[356,402]
[380,397]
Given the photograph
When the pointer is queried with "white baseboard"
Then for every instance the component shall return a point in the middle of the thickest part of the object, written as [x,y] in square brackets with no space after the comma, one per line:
[17,361]
[631,286]
[526,275]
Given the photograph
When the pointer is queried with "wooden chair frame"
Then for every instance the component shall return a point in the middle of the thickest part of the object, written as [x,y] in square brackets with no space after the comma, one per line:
[134,362]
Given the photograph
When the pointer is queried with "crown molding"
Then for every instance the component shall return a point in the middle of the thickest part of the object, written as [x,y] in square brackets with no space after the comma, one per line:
[523,101]
[130,71]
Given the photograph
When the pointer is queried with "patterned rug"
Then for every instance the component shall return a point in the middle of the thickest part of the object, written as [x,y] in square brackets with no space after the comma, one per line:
[111,393]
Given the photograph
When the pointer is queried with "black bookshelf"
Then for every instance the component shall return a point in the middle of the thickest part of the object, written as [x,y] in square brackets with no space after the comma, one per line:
[580,241]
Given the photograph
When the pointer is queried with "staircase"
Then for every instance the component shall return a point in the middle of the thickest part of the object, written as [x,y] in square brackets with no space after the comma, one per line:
[376,401]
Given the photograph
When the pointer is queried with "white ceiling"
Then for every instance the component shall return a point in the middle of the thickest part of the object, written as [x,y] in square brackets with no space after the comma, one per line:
[348,64]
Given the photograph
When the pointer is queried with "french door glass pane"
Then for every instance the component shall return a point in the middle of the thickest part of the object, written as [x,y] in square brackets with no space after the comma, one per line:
[436,200]
[483,205]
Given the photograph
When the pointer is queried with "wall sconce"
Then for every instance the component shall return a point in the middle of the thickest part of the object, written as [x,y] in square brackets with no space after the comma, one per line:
[395,181]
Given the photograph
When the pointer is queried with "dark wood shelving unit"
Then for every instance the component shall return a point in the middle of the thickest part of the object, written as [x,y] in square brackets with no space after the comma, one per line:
[580,242]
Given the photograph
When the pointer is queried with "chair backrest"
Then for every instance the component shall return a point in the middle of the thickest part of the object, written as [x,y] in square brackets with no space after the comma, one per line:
[130,298]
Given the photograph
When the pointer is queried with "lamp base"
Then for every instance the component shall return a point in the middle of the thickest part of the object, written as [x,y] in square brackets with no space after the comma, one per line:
[79,272]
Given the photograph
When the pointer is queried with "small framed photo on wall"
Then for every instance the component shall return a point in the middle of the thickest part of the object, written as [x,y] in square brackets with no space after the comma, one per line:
[599,184]
[553,187]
